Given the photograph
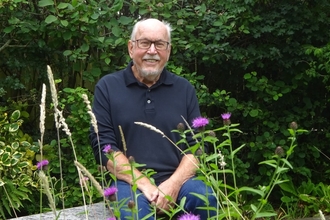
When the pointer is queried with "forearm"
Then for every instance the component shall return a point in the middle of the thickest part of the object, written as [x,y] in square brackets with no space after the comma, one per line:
[186,169]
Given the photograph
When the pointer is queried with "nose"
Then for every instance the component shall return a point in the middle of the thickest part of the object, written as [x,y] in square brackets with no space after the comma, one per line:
[152,49]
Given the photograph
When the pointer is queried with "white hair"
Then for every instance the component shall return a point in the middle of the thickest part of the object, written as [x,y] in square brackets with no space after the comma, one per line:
[166,24]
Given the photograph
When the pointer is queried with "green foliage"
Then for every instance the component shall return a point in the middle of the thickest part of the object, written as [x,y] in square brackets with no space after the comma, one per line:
[305,199]
[16,164]
[266,62]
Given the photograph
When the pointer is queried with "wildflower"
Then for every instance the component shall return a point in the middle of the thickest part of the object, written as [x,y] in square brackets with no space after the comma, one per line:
[110,191]
[42,165]
[279,151]
[180,127]
[131,204]
[222,162]
[111,218]
[200,122]
[107,149]
[226,118]
[293,125]
[189,217]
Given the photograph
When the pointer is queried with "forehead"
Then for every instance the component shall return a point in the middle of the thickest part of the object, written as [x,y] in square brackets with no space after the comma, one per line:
[152,31]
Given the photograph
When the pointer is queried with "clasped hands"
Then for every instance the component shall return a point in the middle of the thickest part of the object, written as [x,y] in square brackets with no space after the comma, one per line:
[164,196]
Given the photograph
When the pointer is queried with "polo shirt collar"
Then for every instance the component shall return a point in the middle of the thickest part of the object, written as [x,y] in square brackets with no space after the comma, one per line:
[165,77]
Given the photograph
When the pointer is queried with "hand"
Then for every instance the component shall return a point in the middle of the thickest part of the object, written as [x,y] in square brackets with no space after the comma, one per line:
[150,191]
[167,189]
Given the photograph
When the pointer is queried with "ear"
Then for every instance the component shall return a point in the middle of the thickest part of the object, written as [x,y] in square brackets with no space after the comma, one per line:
[130,48]
[169,52]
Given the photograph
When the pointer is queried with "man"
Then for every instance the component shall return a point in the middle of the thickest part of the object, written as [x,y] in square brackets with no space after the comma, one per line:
[146,92]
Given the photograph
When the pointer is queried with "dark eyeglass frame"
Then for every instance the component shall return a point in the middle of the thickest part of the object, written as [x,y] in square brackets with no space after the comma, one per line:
[151,42]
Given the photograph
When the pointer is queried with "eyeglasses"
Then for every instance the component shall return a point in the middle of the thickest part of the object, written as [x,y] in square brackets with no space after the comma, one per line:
[146,44]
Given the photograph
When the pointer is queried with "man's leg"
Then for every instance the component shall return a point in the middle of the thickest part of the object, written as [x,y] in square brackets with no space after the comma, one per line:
[193,202]
[125,193]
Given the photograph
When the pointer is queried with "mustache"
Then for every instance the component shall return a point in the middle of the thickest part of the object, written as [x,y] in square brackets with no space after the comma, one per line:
[148,57]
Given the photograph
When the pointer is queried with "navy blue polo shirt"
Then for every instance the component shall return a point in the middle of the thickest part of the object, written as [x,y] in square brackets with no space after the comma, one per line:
[120,100]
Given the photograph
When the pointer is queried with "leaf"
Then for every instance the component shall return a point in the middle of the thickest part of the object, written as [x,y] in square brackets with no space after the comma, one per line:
[265,214]
[64,23]
[50,19]
[44,3]
[15,145]
[62,5]
[15,115]
[237,149]
[254,113]
[249,189]
[5,159]
[288,187]
[67,53]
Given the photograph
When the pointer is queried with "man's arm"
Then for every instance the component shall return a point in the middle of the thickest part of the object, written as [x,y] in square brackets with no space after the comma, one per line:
[119,168]
[171,187]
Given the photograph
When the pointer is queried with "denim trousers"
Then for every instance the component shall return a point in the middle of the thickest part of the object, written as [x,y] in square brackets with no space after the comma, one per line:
[191,205]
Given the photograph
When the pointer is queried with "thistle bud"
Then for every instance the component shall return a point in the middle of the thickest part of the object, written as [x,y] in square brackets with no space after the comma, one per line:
[279,151]
[293,125]
[212,133]
[180,127]
[131,160]
[199,152]
[131,204]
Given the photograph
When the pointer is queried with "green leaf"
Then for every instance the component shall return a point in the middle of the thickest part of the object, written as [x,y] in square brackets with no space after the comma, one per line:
[44,3]
[8,29]
[236,150]
[67,53]
[64,23]
[2,183]
[5,159]
[85,47]
[50,19]
[125,20]
[25,144]
[62,5]
[265,214]
[15,115]
[249,189]
[13,161]
[254,113]
[15,145]
[13,127]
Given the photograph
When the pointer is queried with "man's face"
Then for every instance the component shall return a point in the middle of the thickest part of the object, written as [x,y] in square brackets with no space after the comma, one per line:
[149,62]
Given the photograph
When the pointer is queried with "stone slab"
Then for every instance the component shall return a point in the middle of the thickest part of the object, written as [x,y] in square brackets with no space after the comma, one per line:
[95,211]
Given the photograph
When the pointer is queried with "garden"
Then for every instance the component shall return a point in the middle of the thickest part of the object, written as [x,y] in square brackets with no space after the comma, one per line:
[261,70]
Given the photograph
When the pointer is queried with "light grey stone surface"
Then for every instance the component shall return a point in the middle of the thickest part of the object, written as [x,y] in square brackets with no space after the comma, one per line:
[96,211]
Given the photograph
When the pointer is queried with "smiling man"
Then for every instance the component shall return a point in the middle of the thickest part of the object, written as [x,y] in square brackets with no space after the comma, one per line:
[146,92]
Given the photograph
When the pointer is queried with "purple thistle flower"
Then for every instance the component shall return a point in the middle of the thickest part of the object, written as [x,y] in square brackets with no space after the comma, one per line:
[112,218]
[107,149]
[189,217]
[200,122]
[42,164]
[110,191]
[226,116]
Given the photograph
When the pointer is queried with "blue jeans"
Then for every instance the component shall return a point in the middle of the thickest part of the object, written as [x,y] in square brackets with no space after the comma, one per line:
[191,205]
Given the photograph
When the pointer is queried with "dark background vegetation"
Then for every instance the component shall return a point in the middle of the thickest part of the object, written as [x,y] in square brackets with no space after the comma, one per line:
[265,61]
